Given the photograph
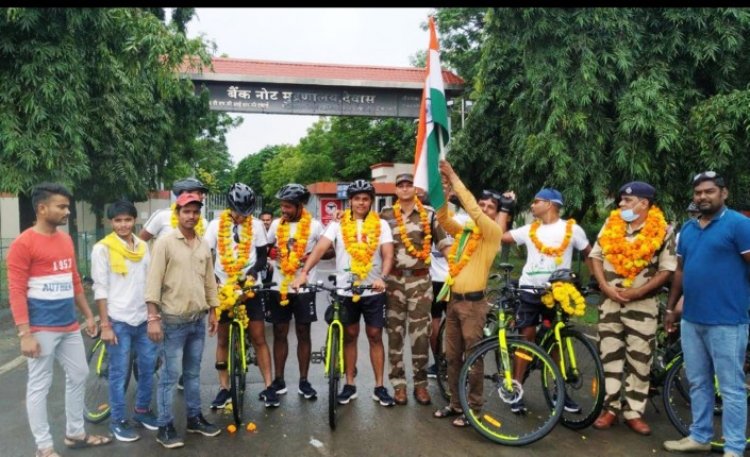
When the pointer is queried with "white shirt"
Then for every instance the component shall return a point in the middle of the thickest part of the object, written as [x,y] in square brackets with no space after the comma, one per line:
[539,266]
[212,238]
[125,294]
[344,260]
[438,263]
[316,231]
[160,223]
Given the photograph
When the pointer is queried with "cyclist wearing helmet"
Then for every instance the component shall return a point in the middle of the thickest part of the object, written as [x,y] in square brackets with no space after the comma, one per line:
[364,255]
[293,237]
[245,241]
[165,220]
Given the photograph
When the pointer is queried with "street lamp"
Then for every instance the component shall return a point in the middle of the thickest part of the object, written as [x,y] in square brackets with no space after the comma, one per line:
[465,105]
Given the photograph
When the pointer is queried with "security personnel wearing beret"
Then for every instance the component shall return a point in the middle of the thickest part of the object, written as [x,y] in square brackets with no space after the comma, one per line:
[409,287]
[634,256]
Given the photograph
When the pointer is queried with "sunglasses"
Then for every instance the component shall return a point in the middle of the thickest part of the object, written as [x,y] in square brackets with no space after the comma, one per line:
[491,194]
[708,176]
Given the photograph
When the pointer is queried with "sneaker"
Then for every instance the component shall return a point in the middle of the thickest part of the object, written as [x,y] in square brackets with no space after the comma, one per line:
[686,444]
[306,390]
[180,384]
[571,406]
[123,431]
[270,397]
[381,395]
[517,407]
[349,392]
[199,424]
[432,371]
[146,420]
[223,398]
[168,437]
[279,386]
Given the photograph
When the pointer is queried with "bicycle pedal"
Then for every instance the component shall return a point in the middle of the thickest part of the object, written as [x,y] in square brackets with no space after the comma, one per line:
[316,357]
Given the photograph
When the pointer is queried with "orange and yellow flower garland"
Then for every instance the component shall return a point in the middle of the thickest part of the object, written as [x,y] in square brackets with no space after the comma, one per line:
[564,293]
[628,258]
[456,265]
[232,261]
[200,227]
[361,252]
[291,261]
[557,252]
[424,254]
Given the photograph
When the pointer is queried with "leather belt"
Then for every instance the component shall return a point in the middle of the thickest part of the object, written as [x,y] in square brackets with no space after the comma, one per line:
[469,296]
[410,272]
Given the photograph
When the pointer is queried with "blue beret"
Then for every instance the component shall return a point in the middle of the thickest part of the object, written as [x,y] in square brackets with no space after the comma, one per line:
[638,189]
[549,194]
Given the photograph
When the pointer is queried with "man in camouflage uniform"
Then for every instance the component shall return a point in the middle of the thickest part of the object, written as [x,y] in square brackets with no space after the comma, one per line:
[409,289]
[627,317]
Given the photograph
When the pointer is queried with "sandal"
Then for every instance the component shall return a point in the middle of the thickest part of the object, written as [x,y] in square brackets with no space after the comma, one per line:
[447,411]
[87,441]
[460,421]
[46,452]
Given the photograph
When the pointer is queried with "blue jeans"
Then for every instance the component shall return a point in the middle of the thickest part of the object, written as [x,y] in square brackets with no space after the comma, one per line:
[130,338]
[716,350]
[181,351]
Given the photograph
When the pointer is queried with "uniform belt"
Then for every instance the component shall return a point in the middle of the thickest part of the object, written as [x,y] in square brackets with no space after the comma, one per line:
[468,296]
[182,318]
[410,272]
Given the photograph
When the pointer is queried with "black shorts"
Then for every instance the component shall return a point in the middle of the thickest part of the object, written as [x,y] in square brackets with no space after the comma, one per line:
[438,307]
[302,306]
[253,307]
[531,311]
[371,306]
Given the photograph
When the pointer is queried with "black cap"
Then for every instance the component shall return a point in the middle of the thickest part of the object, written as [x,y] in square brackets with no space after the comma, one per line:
[638,189]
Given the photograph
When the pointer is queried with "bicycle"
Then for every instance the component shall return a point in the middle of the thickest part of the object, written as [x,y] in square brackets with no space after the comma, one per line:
[332,353]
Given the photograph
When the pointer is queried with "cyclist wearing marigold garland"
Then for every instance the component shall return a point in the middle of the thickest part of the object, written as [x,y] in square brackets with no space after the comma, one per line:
[549,243]
[364,255]
[165,220]
[409,288]
[634,256]
[474,248]
[238,241]
[293,236]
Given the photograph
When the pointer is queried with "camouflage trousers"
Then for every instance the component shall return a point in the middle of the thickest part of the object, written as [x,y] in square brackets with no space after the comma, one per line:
[626,338]
[409,300]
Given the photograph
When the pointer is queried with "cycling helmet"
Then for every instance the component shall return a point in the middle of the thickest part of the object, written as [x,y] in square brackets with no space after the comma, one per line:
[187,185]
[295,193]
[562,275]
[693,208]
[241,198]
[358,187]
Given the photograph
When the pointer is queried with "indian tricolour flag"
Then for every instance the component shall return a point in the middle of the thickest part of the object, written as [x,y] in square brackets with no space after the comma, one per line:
[433,131]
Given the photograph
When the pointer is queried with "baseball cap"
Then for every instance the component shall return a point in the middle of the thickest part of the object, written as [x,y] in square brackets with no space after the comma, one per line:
[404,177]
[551,195]
[186,198]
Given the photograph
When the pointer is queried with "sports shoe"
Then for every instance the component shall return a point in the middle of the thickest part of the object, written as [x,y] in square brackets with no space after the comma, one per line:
[686,444]
[123,431]
[349,392]
[223,398]
[145,419]
[306,390]
[381,395]
[279,386]
[517,407]
[180,384]
[199,424]
[270,397]
[168,437]
[571,406]
[432,371]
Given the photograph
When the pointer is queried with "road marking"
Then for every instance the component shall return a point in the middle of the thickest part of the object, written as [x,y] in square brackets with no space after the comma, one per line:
[18,361]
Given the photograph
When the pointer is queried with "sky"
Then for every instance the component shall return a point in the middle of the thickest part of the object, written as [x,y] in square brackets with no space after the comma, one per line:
[353,36]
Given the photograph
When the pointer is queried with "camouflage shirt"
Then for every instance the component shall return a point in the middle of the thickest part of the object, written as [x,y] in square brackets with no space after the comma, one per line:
[402,259]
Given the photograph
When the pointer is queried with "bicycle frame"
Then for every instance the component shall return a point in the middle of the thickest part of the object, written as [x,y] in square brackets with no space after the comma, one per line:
[243,349]
[336,322]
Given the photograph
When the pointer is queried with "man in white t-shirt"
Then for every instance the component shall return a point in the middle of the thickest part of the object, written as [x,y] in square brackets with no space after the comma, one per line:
[160,223]
[549,243]
[357,224]
[284,235]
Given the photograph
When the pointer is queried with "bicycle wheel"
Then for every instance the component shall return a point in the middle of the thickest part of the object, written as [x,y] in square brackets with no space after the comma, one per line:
[494,419]
[237,372]
[96,407]
[441,364]
[334,375]
[584,380]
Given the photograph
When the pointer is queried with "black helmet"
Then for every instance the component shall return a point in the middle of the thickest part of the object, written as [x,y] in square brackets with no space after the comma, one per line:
[562,275]
[358,187]
[693,208]
[187,185]
[241,198]
[295,193]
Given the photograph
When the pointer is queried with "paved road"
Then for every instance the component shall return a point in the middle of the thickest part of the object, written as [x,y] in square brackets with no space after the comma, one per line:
[299,427]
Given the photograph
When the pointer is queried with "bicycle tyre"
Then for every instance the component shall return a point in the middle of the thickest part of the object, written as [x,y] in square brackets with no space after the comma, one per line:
[237,374]
[495,421]
[585,386]
[334,375]
[96,406]
[441,363]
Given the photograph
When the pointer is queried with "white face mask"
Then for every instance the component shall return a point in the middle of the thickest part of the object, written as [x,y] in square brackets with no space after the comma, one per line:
[628,215]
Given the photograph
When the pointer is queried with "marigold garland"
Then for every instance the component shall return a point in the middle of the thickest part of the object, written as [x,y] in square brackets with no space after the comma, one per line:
[361,252]
[557,252]
[291,260]
[456,265]
[424,254]
[232,261]
[564,293]
[629,258]
[200,227]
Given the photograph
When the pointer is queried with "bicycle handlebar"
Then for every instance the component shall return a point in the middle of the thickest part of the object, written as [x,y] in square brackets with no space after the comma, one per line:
[314,287]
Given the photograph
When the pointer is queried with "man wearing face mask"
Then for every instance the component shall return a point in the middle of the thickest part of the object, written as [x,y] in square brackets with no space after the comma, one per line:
[634,256]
